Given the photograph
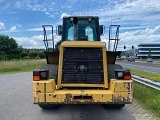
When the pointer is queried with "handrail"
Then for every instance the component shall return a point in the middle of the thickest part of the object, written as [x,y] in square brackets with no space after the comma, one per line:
[116,39]
[46,38]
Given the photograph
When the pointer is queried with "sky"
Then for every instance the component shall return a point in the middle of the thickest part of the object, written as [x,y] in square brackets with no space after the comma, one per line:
[23,19]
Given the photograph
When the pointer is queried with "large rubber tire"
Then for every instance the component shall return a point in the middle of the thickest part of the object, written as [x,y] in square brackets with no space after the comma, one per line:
[52,75]
[113,106]
[49,106]
[112,75]
[52,70]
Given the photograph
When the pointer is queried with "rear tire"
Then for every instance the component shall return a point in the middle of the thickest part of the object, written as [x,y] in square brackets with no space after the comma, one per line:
[113,106]
[52,75]
[111,72]
[52,70]
[49,106]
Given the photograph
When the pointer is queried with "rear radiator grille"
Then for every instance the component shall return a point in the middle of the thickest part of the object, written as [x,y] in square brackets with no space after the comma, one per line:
[82,65]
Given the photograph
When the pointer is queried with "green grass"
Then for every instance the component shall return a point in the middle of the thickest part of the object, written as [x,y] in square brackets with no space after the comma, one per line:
[148,97]
[20,65]
[152,76]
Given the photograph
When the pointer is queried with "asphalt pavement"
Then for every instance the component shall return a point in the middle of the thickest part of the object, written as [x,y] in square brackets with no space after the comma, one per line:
[148,67]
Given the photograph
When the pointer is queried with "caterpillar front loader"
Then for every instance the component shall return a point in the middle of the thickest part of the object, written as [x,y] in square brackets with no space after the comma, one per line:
[82,69]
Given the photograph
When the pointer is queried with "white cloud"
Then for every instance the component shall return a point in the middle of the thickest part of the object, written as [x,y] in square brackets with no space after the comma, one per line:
[131,12]
[52,16]
[2,25]
[13,29]
[35,29]
[139,36]
[150,31]
[35,41]
[30,42]
[136,7]
[18,4]
[47,13]
[48,29]
[19,25]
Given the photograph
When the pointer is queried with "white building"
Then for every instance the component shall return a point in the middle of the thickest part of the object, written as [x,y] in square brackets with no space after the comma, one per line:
[144,48]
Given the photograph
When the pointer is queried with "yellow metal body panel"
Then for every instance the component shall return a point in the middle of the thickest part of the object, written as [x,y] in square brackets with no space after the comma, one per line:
[105,68]
[87,44]
[120,85]
[44,86]
[82,85]
[46,92]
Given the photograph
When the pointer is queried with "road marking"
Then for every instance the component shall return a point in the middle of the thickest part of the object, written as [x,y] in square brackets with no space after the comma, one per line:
[141,66]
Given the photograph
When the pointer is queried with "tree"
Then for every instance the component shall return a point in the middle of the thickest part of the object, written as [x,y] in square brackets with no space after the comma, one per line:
[41,55]
[9,48]
[24,54]
[149,54]
[33,54]
[2,56]
[128,54]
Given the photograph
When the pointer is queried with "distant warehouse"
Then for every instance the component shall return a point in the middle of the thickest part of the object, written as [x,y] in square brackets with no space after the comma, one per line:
[144,49]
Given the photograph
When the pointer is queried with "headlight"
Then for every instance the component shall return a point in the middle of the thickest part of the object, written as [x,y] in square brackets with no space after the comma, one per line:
[119,74]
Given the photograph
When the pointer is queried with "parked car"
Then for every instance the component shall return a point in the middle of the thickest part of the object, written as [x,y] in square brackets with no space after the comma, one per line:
[119,59]
[131,59]
[150,60]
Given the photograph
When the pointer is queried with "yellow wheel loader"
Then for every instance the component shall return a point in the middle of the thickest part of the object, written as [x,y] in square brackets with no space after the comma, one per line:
[81,69]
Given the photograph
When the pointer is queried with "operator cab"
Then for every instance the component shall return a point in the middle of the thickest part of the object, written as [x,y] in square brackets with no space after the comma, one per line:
[80,28]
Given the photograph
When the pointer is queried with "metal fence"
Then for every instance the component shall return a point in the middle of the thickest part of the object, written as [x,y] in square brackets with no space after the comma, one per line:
[147,82]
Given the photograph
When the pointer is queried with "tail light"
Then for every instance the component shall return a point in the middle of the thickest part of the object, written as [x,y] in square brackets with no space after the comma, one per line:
[40,75]
[123,74]
[127,75]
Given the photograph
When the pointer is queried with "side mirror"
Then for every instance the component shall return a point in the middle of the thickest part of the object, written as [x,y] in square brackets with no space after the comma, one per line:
[59,32]
[101,29]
